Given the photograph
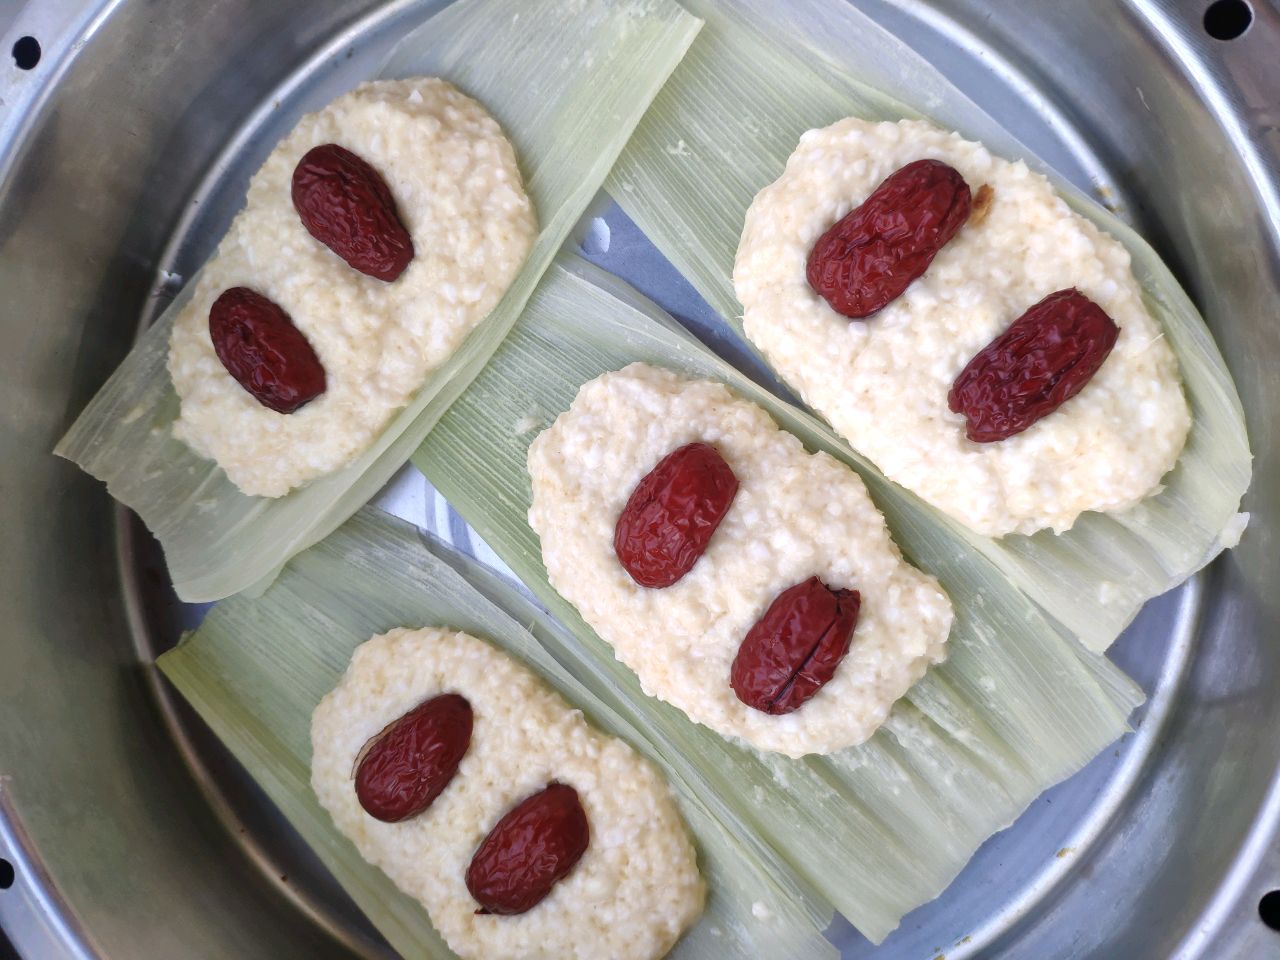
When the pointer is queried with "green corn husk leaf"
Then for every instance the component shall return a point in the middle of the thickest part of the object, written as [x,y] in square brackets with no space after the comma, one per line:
[760,75]
[568,83]
[877,829]
[256,669]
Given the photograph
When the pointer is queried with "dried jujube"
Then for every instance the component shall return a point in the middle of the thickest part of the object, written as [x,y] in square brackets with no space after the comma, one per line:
[1043,360]
[795,647]
[531,849]
[402,770]
[671,515]
[872,254]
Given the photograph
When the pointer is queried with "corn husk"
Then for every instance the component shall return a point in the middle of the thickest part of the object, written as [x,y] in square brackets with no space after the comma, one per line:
[760,75]
[256,669]
[877,829]
[568,82]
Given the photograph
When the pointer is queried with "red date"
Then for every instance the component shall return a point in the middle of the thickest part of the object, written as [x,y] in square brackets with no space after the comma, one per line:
[1043,360]
[531,849]
[346,205]
[795,648]
[871,255]
[262,349]
[670,517]
[402,770]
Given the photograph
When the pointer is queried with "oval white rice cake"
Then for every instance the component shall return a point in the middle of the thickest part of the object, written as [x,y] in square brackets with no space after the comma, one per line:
[458,190]
[795,515]
[637,886]
[882,383]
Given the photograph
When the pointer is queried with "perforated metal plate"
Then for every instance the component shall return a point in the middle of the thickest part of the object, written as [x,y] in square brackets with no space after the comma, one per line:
[124,152]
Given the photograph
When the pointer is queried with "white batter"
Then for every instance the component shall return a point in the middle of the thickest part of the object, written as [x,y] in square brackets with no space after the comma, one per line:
[882,383]
[795,515]
[459,192]
[635,890]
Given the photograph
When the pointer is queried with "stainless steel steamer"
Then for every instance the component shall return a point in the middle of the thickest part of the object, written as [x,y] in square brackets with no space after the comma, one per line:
[128,129]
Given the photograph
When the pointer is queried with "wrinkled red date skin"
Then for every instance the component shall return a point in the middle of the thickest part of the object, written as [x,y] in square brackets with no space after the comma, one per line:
[262,349]
[672,513]
[346,205]
[1043,360]
[530,850]
[795,647]
[874,252]
[406,766]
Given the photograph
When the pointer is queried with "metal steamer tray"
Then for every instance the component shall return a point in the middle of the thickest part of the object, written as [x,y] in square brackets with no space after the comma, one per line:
[128,131]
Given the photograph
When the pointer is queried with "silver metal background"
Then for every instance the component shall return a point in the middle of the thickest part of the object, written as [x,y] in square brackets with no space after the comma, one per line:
[123,156]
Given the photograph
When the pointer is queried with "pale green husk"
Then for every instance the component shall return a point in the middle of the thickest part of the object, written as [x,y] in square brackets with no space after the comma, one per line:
[761,74]
[568,82]
[878,829]
[256,669]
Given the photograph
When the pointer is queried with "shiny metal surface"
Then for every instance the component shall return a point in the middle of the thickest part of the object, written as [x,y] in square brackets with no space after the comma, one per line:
[123,155]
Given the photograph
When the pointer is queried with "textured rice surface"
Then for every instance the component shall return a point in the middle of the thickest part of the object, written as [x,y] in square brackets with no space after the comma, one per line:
[458,191]
[883,382]
[795,515]
[635,890]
